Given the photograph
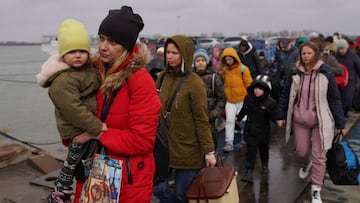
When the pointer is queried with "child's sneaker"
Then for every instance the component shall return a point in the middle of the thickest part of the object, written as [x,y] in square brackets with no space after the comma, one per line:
[304,171]
[228,147]
[60,197]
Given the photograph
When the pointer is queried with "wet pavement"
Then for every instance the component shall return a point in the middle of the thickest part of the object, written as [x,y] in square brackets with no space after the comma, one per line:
[281,185]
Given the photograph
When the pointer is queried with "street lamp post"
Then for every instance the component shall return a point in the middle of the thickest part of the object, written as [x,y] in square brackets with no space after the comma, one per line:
[178,25]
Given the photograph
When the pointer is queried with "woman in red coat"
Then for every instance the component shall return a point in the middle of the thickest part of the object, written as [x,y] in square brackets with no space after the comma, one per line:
[133,116]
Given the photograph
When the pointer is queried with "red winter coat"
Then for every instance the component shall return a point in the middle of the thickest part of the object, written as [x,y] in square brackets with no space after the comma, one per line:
[132,123]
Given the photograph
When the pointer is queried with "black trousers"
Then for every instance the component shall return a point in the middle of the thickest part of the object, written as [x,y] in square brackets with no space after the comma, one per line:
[251,154]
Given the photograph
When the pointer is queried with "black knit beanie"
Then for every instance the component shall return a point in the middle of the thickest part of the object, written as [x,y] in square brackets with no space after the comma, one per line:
[122,26]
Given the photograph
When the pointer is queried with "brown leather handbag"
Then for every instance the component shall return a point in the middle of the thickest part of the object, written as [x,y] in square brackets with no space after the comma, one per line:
[216,184]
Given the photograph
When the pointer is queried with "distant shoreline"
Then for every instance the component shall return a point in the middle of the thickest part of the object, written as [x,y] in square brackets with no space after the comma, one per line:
[19,43]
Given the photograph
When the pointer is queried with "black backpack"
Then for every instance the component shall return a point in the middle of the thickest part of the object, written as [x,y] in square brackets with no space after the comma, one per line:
[342,164]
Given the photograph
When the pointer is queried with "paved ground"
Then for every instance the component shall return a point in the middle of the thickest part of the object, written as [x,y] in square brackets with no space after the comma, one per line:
[281,185]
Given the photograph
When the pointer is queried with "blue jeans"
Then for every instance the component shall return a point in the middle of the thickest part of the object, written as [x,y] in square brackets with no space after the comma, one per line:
[183,180]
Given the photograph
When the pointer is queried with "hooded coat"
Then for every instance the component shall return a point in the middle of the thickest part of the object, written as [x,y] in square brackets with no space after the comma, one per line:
[251,59]
[259,111]
[132,124]
[189,131]
[235,80]
[329,113]
[73,93]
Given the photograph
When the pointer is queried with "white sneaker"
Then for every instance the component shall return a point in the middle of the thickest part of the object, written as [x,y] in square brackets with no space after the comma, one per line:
[315,194]
[228,147]
[304,171]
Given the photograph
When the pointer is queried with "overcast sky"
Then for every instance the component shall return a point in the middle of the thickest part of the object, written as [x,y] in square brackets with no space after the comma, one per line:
[27,20]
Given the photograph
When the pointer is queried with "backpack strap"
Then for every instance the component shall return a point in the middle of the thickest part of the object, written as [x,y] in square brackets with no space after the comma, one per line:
[161,81]
[213,83]
[242,69]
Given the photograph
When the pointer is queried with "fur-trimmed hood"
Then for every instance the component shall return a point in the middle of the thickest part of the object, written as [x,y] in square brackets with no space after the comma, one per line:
[137,59]
[52,66]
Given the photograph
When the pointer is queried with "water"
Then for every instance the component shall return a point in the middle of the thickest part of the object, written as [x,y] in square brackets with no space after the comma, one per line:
[26,111]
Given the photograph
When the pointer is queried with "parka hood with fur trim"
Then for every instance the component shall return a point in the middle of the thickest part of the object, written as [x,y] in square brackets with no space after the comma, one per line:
[137,59]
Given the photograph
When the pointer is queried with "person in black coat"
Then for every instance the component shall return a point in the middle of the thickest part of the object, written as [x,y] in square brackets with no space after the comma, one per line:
[156,64]
[259,107]
[250,58]
[347,57]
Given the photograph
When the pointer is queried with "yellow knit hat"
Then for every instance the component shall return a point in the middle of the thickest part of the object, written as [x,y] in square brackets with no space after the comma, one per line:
[72,36]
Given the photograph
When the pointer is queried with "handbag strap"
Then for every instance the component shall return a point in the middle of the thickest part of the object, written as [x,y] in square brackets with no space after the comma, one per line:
[337,138]
[107,104]
[178,86]
[219,160]
[104,112]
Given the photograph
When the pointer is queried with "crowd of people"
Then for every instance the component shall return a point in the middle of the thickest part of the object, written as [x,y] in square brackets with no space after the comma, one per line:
[297,88]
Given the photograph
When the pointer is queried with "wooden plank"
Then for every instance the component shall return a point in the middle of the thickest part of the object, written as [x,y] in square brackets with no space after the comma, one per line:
[45,163]
[13,154]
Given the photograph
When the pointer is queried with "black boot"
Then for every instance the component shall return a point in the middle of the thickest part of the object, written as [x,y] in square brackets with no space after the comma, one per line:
[248,177]
[264,168]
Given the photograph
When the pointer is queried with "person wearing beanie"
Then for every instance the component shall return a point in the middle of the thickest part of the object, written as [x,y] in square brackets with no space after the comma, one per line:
[122,26]
[201,53]
[214,87]
[73,83]
[342,43]
[348,57]
[72,36]
[259,107]
[132,118]
[191,145]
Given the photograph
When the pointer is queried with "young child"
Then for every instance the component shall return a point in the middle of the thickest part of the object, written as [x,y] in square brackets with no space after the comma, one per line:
[237,78]
[73,84]
[259,108]
[214,87]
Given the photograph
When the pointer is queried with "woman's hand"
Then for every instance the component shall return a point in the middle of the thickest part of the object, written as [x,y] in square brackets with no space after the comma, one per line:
[340,131]
[104,127]
[280,123]
[210,159]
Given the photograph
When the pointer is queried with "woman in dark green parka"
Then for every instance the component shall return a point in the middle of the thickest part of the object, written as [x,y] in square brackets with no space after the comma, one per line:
[190,140]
